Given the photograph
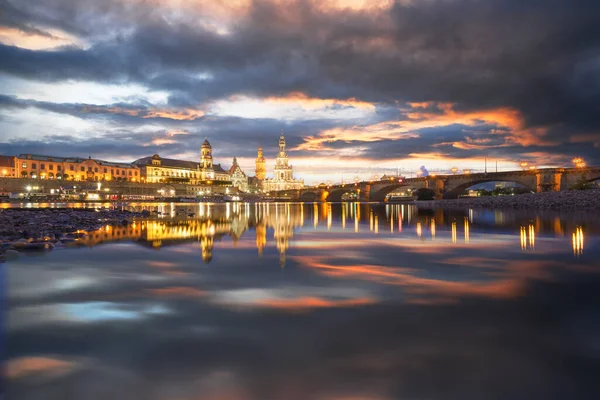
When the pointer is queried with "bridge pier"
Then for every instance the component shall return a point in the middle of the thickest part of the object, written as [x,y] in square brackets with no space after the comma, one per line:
[549,180]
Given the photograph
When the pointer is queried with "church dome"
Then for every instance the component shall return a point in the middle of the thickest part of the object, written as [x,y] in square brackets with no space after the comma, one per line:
[206,144]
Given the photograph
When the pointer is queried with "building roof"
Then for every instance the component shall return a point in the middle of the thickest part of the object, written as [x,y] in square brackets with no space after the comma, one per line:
[172,163]
[7,161]
[167,162]
[39,157]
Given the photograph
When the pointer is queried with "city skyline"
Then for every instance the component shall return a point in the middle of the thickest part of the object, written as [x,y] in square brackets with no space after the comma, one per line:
[360,88]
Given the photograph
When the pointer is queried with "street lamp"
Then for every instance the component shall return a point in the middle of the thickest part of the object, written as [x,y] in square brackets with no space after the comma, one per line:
[467,171]
[579,163]
[454,170]
[524,164]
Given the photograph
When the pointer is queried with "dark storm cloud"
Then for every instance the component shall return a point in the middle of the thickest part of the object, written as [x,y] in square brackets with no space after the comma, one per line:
[540,57]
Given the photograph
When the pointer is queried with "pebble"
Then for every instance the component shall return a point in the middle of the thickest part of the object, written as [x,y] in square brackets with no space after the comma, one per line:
[40,230]
[568,200]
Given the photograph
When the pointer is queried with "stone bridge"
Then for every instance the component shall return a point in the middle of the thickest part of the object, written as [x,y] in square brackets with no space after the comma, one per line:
[448,186]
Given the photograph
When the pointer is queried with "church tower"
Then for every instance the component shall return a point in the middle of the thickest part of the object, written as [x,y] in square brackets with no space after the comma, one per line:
[261,165]
[206,160]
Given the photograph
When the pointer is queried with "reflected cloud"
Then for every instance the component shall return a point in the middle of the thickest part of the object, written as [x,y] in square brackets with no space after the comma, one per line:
[25,366]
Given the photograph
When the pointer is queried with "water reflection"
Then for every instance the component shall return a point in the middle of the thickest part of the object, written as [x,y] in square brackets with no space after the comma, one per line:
[275,223]
[375,302]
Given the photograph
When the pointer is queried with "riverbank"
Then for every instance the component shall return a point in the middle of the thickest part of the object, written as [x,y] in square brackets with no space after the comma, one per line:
[42,228]
[569,200]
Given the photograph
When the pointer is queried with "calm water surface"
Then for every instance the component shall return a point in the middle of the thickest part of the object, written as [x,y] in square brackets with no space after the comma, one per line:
[310,301]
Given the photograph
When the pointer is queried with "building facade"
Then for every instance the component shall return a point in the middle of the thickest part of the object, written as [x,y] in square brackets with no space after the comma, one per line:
[238,177]
[283,176]
[155,169]
[7,167]
[73,169]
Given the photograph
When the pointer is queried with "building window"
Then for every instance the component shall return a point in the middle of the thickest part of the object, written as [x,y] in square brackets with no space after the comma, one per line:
[42,166]
[82,169]
[96,169]
[129,173]
[24,165]
[72,167]
[51,167]
[33,165]
[112,171]
[59,168]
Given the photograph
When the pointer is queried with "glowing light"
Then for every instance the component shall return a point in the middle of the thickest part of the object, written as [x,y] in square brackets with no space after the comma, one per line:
[433,229]
[454,232]
[467,231]
[454,170]
[419,229]
[579,162]
[578,242]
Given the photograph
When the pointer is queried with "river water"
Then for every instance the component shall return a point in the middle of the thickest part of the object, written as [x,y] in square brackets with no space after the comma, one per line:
[310,301]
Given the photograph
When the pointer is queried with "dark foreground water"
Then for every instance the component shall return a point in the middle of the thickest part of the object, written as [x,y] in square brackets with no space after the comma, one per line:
[326,302]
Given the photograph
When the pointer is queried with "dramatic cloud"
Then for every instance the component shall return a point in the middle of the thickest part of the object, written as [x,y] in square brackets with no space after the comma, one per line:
[374,79]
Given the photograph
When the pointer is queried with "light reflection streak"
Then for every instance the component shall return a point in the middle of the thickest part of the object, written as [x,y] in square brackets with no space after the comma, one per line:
[527,236]
[433,229]
[419,229]
[578,241]
[454,232]
[467,231]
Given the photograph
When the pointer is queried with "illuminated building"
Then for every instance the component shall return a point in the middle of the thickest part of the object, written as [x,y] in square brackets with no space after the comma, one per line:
[73,169]
[155,169]
[283,178]
[238,177]
[7,167]
[261,165]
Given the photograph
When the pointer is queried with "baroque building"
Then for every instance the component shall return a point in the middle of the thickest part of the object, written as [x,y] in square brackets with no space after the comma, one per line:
[283,177]
[73,169]
[155,169]
[238,177]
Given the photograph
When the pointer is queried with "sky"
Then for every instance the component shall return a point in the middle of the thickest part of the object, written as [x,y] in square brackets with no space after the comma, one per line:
[359,88]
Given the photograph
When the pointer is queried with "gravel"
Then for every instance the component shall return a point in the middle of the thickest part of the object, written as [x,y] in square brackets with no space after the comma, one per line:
[43,229]
[571,200]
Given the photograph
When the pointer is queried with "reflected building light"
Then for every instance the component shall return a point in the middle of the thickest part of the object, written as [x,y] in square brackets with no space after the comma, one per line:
[558,229]
[316,215]
[376,224]
[470,215]
[467,230]
[392,225]
[356,225]
[433,229]
[302,214]
[344,216]
[578,241]
[357,211]
[454,232]
[329,217]
[228,210]
[527,236]
[371,220]
[400,222]
[419,229]
[531,236]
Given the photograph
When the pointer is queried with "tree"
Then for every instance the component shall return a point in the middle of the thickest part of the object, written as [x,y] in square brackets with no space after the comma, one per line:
[583,184]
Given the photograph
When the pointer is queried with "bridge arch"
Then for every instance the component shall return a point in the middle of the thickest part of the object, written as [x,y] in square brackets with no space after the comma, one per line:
[309,197]
[335,195]
[381,194]
[458,190]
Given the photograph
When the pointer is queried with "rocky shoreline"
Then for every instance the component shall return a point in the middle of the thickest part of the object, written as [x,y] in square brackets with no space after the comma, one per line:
[42,229]
[571,200]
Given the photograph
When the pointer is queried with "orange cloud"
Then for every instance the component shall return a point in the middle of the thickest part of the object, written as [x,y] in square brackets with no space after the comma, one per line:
[40,40]
[309,303]
[24,366]
[314,103]
[178,291]
[420,116]
[185,114]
